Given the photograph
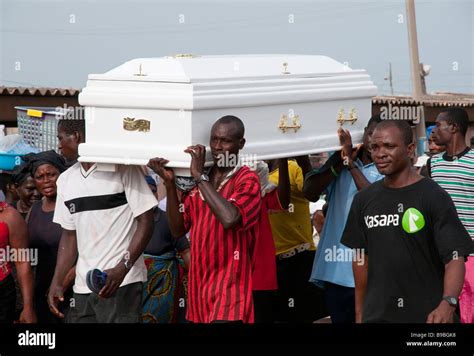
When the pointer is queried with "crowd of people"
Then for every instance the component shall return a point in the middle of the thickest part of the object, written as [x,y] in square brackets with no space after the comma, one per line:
[236,245]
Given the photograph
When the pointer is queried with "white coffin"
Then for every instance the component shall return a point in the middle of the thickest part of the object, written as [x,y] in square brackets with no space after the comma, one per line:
[290,105]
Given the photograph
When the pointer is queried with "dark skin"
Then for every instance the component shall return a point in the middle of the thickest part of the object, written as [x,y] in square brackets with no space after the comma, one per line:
[11,195]
[45,178]
[448,135]
[225,140]
[186,253]
[318,221]
[175,218]
[68,144]
[283,188]
[67,256]
[28,194]
[186,256]
[433,147]
[303,162]
[68,252]
[18,239]
[393,159]
[137,245]
[315,185]
[361,272]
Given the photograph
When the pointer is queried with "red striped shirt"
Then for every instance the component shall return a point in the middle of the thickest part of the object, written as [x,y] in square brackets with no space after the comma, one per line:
[220,275]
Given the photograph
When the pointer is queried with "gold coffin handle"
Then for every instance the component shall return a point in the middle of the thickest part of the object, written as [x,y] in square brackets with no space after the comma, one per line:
[341,119]
[284,125]
[140,125]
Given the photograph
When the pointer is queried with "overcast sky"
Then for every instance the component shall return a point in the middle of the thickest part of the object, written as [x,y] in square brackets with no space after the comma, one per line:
[58,43]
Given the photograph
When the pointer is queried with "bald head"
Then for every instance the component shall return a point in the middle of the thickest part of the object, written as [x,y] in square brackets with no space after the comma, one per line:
[236,127]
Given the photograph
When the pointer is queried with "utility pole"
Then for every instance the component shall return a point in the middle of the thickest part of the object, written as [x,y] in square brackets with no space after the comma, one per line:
[415,73]
[390,77]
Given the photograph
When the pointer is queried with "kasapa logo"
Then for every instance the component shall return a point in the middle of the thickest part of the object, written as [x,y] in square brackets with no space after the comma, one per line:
[413,221]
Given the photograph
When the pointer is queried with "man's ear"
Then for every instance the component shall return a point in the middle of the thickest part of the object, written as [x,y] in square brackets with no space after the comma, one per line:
[79,137]
[411,150]
[241,143]
[454,128]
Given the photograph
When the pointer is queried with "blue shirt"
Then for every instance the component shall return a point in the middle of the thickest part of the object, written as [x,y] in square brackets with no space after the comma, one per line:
[333,261]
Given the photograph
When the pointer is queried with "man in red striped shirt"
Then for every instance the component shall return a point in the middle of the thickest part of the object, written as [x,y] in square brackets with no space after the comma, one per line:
[222,213]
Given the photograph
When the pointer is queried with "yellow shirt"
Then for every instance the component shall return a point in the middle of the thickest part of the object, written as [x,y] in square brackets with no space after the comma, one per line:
[293,227]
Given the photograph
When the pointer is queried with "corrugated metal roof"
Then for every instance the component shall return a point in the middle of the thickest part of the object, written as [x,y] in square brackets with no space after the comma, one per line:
[38,91]
[433,100]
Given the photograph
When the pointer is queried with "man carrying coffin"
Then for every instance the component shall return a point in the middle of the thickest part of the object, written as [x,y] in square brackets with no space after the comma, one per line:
[221,214]
[107,221]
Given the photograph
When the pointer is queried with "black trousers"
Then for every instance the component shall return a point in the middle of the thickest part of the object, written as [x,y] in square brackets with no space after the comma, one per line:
[7,300]
[125,306]
[298,300]
[340,302]
[264,305]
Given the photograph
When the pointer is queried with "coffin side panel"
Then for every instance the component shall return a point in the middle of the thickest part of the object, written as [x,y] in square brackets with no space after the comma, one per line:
[266,140]
[151,133]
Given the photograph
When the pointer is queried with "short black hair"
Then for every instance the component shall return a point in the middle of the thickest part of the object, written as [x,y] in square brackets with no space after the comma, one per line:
[402,126]
[71,126]
[376,118]
[459,117]
[229,119]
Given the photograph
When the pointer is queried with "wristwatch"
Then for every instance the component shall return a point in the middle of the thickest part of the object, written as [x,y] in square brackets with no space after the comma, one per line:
[202,177]
[127,263]
[451,300]
[350,164]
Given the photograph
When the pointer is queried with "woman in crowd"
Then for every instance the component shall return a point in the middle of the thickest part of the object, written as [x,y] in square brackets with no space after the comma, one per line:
[25,188]
[165,257]
[13,237]
[44,234]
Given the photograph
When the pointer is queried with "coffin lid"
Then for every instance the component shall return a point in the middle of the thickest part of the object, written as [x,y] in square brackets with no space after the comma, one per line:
[192,69]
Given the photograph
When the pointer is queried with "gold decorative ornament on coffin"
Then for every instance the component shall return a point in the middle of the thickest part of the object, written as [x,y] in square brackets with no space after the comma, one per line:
[285,69]
[341,119]
[140,125]
[140,73]
[185,55]
[283,124]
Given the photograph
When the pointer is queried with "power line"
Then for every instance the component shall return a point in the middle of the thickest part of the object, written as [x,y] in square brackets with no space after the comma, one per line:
[307,17]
